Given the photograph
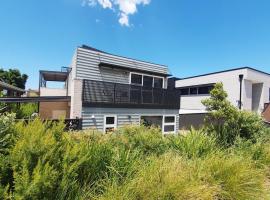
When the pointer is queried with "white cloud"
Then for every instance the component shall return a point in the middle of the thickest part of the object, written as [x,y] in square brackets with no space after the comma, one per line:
[124,7]
[123,20]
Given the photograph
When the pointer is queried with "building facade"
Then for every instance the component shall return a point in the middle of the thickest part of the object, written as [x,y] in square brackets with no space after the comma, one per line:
[247,89]
[109,91]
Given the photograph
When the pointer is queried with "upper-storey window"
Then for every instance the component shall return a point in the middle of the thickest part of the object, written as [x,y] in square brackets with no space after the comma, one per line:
[158,82]
[196,90]
[146,80]
[136,79]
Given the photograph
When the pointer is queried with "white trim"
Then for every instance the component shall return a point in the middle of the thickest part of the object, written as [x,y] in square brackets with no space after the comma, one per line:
[163,121]
[168,124]
[109,125]
[142,74]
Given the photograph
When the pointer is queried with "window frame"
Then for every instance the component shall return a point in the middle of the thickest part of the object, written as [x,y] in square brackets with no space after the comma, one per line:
[168,124]
[105,126]
[142,74]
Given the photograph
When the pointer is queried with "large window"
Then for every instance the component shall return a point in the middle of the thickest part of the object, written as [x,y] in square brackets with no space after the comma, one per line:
[146,80]
[197,90]
[110,123]
[169,124]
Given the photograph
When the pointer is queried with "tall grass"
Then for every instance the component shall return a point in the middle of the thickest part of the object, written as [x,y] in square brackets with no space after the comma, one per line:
[41,161]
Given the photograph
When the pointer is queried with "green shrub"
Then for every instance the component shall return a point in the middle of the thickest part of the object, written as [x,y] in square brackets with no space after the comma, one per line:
[226,122]
[194,143]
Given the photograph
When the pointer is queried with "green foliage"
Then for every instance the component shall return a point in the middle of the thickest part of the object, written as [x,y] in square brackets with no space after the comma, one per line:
[226,122]
[194,144]
[43,162]
[13,77]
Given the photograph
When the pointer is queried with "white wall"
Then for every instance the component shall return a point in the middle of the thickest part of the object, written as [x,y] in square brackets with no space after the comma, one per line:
[230,80]
[52,92]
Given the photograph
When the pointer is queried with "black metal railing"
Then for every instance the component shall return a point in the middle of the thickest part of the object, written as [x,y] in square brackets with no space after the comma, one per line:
[107,94]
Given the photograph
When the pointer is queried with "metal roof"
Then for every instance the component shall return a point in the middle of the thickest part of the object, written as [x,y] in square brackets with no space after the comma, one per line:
[10,87]
[54,75]
[35,99]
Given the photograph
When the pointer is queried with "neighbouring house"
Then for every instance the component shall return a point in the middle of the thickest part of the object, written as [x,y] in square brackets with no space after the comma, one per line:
[10,90]
[247,88]
[108,91]
[266,112]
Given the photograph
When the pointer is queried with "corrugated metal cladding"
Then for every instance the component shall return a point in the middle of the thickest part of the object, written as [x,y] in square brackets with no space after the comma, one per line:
[124,116]
[87,66]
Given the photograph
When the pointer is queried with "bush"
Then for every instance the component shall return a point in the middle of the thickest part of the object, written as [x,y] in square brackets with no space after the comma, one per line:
[226,122]
[193,144]
[44,162]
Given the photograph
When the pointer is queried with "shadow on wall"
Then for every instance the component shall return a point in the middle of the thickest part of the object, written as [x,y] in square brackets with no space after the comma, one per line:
[186,121]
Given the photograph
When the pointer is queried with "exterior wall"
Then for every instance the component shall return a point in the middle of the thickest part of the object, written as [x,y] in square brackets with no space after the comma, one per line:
[47,110]
[230,80]
[93,118]
[88,61]
[85,65]
[266,113]
[52,92]
[192,102]
[257,77]
[76,99]
[191,120]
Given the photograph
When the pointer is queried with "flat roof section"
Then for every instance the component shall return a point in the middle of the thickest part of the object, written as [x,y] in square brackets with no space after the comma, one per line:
[229,70]
[53,75]
[35,99]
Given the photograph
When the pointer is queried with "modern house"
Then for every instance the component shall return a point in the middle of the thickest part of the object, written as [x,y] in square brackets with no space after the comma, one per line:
[247,89]
[109,91]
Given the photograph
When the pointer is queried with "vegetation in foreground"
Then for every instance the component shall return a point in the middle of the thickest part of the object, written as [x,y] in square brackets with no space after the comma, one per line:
[41,161]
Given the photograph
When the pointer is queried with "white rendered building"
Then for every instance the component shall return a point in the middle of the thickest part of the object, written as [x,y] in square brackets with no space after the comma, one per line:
[247,88]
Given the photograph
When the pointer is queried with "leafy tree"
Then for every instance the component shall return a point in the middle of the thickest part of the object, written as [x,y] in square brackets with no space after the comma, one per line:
[228,122]
[13,77]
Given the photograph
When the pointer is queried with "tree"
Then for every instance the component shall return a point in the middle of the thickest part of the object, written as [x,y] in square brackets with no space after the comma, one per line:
[228,122]
[13,77]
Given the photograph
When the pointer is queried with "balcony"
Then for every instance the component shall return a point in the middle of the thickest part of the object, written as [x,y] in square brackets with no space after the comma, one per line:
[115,95]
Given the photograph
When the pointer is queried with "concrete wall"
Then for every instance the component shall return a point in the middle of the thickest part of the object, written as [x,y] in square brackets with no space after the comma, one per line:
[52,92]
[93,118]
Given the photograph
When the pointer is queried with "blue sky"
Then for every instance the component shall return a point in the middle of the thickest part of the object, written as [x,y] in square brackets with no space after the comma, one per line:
[190,36]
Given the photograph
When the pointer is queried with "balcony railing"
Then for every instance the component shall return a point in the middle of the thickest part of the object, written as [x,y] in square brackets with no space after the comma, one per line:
[107,94]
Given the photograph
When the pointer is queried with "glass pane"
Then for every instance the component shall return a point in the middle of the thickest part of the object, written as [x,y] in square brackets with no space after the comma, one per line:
[205,89]
[193,90]
[169,128]
[169,119]
[158,82]
[110,120]
[185,91]
[147,81]
[136,79]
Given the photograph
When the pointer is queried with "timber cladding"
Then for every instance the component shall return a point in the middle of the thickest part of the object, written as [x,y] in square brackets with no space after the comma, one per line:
[266,113]
[54,110]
